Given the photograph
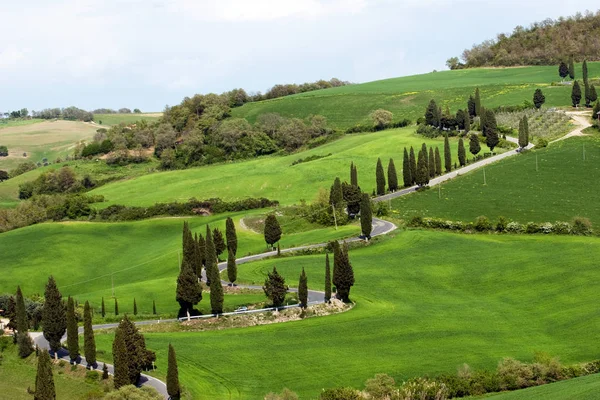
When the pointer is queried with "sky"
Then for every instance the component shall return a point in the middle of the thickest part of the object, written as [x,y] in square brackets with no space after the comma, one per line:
[147,54]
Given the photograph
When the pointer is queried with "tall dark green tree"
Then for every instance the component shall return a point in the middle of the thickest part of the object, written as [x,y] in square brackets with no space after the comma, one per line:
[538,98]
[116,307]
[392,176]
[231,267]
[413,165]
[210,255]
[563,70]
[491,130]
[343,274]
[438,162]
[576,94]
[406,177]
[424,150]
[102,308]
[89,341]
[432,116]
[336,195]
[471,106]
[571,68]
[477,102]
[173,388]
[121,367]
[54,316]
[129,354]
[353,175]
[380,178]
[273,229]
[474,145]
[44,381]
[366,215]
[24,342]
[431,160]
[593,95]
[202,250]
[467,123]
[153,307]
[447,154]
[523,139]
[219,242]
[462,154]
[275,288]
[422,170]
[303,290]
[189,290]
[216,288]
[72,331]
[327,279]
[189,247]
[231,236]
[134,307]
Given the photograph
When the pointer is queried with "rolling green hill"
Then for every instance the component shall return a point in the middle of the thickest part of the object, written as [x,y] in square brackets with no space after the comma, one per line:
[407,97]
[584,388]
[426,302]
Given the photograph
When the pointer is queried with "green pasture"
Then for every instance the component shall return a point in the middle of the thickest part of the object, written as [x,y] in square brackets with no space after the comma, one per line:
[584,388]
[562,187]
[108,120]
[407,97]
[426,302]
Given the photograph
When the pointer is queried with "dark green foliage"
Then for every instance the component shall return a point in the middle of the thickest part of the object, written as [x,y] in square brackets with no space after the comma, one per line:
[104,371]
[11,313]
[173,388]
[413,165]
[134,307]
[54,317]
[353,175]
[406,175]
[189,291]
[72,331]
[189,247]
[490,130]
[447,154]
[422,170]
[231,267]
[275,288]
[201,248]
[563,70]
[272,229]
[595,111]
[121,367]
[576,94]
[343,274]
[44,381]
[593,94]
[523,132]
[210,256]
[303,290]
[477,103]
[474,146]
[467,122]
[102,308]
[471,108]
[336,195]
[219,242]
[438,162]
[586,84]
[432,114]
[116,306]
[327,279]
[462,154]
[571,68]
[89,341]
[538,98]
[129,354]
[392,176]
[153,307]
[380,178]
[344,393]
[424,150]
[431,161]
[352,198]
[212,275]
[24,342]
[366,215]
[231,236]
[216,295]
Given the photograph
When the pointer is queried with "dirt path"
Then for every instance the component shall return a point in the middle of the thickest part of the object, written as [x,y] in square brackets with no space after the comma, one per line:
[581,119]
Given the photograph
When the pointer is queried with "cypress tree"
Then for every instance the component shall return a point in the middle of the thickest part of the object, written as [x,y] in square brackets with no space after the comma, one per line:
[438,162]
[431,160]
[54,318]
[563,70]
[44,381]
[327,279]
[491,131]
[89,342]
[231,267]
[576,94]
[202,250]
[413,165]
[586,83]
[422,170]
[477,102]
[447,154]
[596,110]
[212,272]
[571,68]
[116,307]
[72,331]
[366,215]
[24,342]
[103,309]
[336,195]
[353,175]
[189,246]
[462,154]
[526,130]
[471,106]
[474,146]
[406,177]
[593,96]
[392,176]
[431,114]
[272,229]
[343,274]
[380,178]
[211,261]
[522,134]
[467,123]
[129,354]
[153,307]
[424,150]
[275,288]
[173,388]
[231,236]
[121,369]
[134,307]
[189,290]
[303,290]
[538,98]
[197,266]
[104,372]
[482,121]
[219,242]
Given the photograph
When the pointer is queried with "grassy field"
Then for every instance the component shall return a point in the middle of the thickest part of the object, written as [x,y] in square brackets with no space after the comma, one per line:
[47,139]
[584,388]
[422,307]
[408,96]
[115,119]
[140,258]
[273,176]
[561,188]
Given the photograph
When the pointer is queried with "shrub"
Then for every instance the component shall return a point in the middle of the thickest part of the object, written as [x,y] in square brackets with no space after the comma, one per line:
[501,224]
[532,227]
[513,374]
[423,389]
[546,228]
[286,394]
[382,209]
[581,226]
[482,224]
[514,227]
[561,228]
[541,142]
[340,394]
[416,221]
[382,386]
[91,376]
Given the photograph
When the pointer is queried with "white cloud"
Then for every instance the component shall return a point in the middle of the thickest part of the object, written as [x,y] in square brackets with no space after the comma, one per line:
[11,57]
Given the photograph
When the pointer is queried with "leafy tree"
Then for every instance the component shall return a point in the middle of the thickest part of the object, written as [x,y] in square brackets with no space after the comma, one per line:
[134,307]
[490,130]
[432,115]
[462,155]
[353,175]
[381,118]
[231,236]
[44,381]
[116,307]
[351,198]
[219,242]
[563,70]
[336,195]
[303,290]
[231,267]
[471,107]
[366,216]
[431,161]
[129,354]
[474,146]
[406,176]
[571,68]
[380,178]
[54,318]
[189,290]
[327,279]
[447,154]
[477,102]
[89,341]
[102,308]
[576,94]
[422,170]
[173,388]
[413,165]
[4,175]
[272,230]
[538,98]
[24,342]
[343,274]
[72,331]
[438,162]
[275,288]
[392,177]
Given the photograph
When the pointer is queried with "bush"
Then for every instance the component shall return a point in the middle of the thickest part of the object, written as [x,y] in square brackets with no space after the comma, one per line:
[482,224]
[532,227]
[561,228]
[340,394]
[514,227]
[423,389]
[382,209]
[91,376]
[546,228]
[286,394]
[514,374]
[541,142]
[501,224]
[581,226]
[382,386]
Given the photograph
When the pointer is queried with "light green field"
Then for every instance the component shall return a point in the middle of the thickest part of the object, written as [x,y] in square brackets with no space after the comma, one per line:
[140,258]
[584,388]
[8,123]
[407,97]
[273,176]
[115,119]
[423,306]
[563,187]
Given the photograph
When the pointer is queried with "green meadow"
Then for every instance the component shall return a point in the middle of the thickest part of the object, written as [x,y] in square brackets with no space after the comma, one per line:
[562,187]
[584,388]
[407,97]
[426,302]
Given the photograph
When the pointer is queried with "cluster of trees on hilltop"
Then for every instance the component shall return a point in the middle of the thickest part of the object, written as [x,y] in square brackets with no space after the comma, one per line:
[543,43]
[282,90]
[69,113]
[123,110]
